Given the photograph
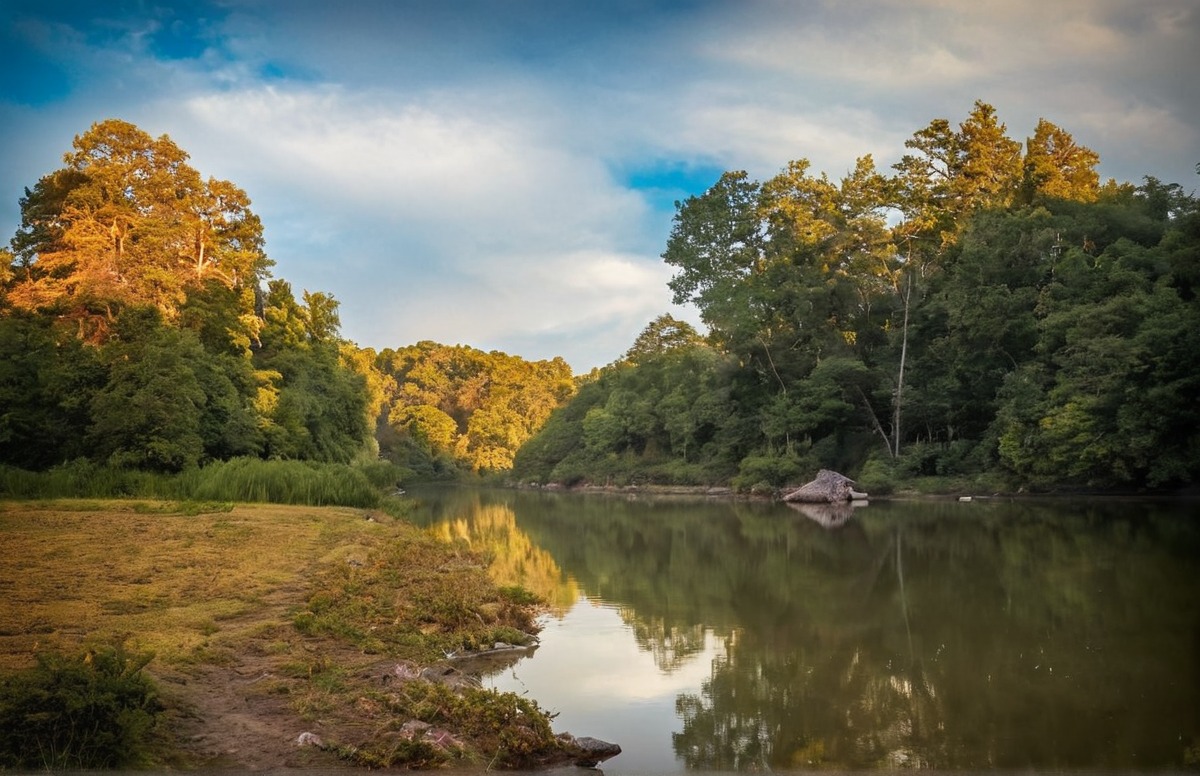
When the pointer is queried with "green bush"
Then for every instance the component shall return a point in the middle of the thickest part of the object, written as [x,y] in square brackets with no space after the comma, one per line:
[91,710]
[878,476]
[772,470]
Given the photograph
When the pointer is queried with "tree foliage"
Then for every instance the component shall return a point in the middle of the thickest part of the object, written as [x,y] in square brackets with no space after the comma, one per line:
[135,328]
[988,307]
[457,408]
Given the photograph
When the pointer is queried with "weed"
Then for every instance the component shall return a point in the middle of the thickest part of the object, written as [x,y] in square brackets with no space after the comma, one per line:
[511,731]
[94,709]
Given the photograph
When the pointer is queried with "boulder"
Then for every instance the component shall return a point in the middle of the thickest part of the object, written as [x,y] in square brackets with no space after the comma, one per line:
[829,487]
[586,751]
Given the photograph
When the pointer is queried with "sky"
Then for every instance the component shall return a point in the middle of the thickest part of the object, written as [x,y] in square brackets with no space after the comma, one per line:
[503,173]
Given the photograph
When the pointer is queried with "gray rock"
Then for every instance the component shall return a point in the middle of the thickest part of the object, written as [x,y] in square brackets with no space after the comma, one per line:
[588,752]
[828,487]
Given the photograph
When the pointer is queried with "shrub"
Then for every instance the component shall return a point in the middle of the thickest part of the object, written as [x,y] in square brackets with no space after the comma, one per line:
[91,710]
[771,470]
[878,476]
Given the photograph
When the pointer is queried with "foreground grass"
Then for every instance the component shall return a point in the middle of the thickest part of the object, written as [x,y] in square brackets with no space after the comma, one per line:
[299,612]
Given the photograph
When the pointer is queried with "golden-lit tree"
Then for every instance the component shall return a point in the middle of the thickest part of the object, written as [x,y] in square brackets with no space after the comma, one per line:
[128,222]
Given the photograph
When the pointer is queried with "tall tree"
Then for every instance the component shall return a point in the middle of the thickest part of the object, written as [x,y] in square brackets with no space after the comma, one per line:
[717,243]
[1055,166]
[129,222]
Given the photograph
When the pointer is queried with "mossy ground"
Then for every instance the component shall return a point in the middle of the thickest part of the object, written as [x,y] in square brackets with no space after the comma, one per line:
[266,621]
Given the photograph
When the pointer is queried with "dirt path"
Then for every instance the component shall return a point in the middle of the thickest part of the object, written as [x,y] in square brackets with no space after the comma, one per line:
[237,714]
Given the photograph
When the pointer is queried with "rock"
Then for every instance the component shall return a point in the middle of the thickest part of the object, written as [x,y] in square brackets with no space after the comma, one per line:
[588,752]
[404,671]
[829,487]
[414,728]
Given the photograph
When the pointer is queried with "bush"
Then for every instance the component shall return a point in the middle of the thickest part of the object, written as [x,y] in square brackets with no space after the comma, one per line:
[773,471]
[91,710]
[878,476]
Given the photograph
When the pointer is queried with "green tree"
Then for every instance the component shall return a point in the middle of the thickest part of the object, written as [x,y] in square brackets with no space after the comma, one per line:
[314,406]
[662,334]
[129,222]
[47,381]
[148,415]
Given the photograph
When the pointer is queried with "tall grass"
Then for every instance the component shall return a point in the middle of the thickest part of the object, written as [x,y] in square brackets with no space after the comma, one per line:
[240,479]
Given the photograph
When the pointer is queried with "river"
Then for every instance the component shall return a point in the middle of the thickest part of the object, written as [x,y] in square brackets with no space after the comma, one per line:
[715,635]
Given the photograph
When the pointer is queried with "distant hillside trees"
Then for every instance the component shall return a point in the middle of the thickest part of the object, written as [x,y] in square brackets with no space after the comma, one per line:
[987,308]
[455,408]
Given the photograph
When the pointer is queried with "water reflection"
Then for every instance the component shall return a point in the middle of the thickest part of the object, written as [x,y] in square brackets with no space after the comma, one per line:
[491,529]
[953,636]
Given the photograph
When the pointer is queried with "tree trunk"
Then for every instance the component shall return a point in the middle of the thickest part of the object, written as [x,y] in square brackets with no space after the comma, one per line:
[900,375]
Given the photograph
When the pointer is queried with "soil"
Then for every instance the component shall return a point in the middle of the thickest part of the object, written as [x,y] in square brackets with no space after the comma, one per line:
[232,716]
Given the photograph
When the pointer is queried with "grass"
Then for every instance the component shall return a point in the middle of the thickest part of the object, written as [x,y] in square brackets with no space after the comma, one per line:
[172,577]
[312,599]
[239,479]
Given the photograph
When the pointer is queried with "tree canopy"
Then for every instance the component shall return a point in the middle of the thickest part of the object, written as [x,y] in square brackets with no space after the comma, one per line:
[986,308]
[135,327]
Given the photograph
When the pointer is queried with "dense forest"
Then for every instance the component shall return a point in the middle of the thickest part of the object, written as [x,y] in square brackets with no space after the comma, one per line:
[988,311]
[140,328]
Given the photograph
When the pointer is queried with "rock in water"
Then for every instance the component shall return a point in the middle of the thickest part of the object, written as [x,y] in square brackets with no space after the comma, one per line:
[587,751]
[829,487]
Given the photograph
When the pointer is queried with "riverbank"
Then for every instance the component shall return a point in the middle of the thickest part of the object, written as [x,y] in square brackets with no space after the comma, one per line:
[270,622]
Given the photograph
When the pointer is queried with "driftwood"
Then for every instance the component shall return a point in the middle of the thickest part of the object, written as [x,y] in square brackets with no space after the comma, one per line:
[829,487]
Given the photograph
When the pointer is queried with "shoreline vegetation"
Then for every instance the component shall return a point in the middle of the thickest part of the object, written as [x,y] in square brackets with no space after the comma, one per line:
[248,630]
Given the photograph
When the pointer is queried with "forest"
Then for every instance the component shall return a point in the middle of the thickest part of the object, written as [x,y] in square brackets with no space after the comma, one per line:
[140,328]
[987,310]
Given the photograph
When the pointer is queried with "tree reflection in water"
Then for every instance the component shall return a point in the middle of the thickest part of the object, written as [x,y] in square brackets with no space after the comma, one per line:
[986,635]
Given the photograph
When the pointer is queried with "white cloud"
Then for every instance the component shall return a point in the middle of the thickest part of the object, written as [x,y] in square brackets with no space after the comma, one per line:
[460,225]
[446,172]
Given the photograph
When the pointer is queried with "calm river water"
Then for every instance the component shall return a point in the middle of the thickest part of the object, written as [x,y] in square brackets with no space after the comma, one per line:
[726,636]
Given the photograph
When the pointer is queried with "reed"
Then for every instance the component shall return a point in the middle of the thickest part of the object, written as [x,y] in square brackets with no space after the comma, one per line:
[237,480]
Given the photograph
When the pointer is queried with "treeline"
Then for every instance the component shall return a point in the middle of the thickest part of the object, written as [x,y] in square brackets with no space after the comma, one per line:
[987,311]
[140,329]
[453,409]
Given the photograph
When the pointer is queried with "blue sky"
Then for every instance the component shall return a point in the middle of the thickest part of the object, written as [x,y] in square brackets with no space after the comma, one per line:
[502,174]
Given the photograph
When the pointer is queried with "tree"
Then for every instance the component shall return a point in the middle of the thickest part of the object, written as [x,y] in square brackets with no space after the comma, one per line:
[717,242]
[1055,166]
[479,407]
[952,174]
[314,405]
[148,415]
[47,381]
[662,334]
[128,222]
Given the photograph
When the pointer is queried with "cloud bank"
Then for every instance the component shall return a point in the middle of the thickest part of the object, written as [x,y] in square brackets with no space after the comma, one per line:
[502,175]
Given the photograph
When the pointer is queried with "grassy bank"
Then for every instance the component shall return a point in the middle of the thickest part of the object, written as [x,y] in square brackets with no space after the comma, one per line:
[361,484]
[265,621]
